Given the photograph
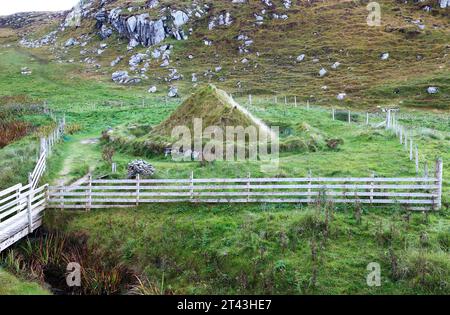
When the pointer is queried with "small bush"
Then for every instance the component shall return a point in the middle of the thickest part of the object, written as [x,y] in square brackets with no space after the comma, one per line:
[73,128]
[12,131]
[343,116]
[424,270]
[443,239]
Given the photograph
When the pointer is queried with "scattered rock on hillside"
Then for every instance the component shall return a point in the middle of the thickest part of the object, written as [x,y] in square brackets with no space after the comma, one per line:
[174,75]
[335,65]
[301,57]
[384,56]
[122,77]
[105,32]
[152,89]
[287,4]
[141,168]
[135,60]
[323,72]
[432,90]
[25,71]
[71,42]
[116,61]
[341,96]
[165,63]
[152,4]
[173,91]
[224,19]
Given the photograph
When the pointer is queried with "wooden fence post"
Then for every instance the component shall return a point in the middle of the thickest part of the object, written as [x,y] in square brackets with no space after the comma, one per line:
[388,119]
[367,118]
[401,135]
[411,154]
[248,187]
[295,101]
[417,160]
[372,188]
[18,197]
[138,189]
[61,191]
[309,185]
[439,177]
[29,204]
[89,193]
[349,117]
[42,147]
[192,185]
[250,99]
[307,104]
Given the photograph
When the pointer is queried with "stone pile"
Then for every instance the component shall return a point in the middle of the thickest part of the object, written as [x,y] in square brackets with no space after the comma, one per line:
[140,167]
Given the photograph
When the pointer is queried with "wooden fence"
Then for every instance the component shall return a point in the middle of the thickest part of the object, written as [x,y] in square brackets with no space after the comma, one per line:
[21,210]
[21,206]
[412,193]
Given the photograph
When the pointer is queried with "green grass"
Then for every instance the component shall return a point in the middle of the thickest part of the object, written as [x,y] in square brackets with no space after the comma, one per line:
[10,285]
[266,249]
[253,248]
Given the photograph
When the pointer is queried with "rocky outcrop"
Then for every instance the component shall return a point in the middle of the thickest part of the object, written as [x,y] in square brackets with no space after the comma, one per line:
[444,4]
[140,29]
[122,77]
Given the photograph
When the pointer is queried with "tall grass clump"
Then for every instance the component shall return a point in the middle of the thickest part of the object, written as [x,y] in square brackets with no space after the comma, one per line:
[45,259]
[11,131]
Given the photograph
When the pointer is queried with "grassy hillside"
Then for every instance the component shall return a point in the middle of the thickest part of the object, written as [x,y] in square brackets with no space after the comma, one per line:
[326,32]
[245,249]
[270,249]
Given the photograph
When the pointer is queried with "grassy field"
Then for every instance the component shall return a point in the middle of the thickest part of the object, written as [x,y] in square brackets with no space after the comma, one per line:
[320,249]
[10,285]
[267,249]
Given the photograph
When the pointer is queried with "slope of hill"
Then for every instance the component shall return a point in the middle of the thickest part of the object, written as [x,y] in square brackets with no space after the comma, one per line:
[214,107]
[268,47]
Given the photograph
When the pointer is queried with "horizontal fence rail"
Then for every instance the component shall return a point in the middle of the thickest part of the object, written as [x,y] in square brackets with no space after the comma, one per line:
[21,209]
[411,193]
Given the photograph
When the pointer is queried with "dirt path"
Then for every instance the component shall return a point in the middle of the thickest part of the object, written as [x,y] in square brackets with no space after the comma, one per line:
[81,156]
